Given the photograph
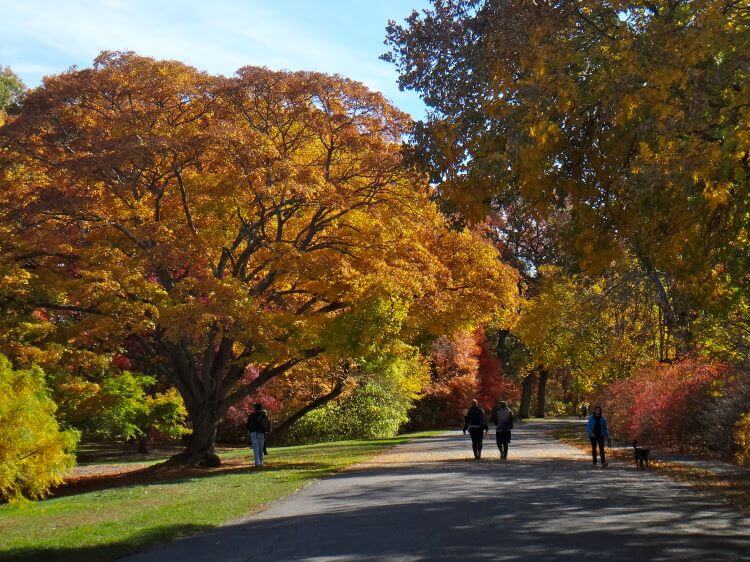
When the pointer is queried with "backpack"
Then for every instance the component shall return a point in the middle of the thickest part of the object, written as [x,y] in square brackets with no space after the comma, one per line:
[258,422]
[502,418]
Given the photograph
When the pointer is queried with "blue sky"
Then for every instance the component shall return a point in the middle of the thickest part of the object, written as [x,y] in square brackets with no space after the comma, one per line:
[39,37]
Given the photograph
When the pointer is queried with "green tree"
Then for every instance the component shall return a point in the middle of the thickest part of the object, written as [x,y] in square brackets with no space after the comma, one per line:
[119,405]
[378,403]
[12,90]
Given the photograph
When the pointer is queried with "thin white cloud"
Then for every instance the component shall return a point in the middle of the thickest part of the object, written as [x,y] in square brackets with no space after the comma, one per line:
[218,36]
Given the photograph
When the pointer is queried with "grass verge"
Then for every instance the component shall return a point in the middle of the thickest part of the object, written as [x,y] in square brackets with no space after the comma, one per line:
[109,523]
[733,487]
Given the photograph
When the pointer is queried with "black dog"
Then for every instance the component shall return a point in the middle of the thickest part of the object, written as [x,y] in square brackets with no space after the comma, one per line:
[641,456]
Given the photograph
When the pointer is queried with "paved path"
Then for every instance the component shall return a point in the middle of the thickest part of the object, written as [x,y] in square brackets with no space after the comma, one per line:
[427,500]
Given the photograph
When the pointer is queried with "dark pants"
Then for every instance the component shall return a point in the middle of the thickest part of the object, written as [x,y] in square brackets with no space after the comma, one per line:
[477,434]
[594,442]
[503,439]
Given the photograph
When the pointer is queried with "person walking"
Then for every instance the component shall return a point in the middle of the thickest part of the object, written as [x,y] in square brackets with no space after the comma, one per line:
[598,432]
[474,422]
[584,411]
[502,417]
[258,427]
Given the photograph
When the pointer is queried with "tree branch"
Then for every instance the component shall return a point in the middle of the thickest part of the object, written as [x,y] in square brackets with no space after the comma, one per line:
[283,427]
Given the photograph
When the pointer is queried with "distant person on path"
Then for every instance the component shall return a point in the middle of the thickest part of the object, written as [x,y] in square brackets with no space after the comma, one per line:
[597,430]
[474,422]
[584,411]
[258,427]
[502,417]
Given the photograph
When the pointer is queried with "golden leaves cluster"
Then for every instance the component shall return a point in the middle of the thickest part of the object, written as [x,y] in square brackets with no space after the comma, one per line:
[144,199]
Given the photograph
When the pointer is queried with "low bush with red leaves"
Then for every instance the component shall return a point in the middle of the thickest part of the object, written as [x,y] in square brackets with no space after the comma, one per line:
[664,405]
[464,367]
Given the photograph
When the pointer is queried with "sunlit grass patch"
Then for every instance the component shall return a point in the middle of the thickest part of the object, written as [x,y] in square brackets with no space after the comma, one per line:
[108,523]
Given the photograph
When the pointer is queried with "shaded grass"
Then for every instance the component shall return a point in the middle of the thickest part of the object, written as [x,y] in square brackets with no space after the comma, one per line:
[108,523]
[108,453]
[733,487]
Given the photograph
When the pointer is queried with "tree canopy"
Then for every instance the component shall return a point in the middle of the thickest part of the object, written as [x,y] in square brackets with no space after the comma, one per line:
[625,121]
[202,226]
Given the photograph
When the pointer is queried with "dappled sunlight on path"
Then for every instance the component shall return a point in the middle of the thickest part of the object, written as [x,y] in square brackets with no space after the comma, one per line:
[528,443]
[429,499]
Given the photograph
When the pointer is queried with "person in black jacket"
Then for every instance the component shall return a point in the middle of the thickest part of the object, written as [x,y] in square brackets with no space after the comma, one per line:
[474,422]
[502,417]
[258,428]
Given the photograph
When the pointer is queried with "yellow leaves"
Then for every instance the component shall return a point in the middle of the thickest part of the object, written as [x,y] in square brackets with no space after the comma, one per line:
[272,209]
[34,452]
[541,131]
[555,324]
[14,280]
[644,149]
[717,193]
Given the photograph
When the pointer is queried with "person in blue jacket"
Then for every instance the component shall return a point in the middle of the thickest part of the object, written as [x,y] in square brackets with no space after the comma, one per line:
[598,432]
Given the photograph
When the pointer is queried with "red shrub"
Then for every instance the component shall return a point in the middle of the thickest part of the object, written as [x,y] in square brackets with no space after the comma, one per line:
[492,385]
[464,367]
[662,403]
[454,373]
[121,362]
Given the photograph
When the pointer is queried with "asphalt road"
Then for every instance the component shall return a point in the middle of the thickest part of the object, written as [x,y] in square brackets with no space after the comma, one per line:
[430,500]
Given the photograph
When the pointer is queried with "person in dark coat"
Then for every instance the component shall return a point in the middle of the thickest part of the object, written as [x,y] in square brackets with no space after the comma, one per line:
[474,422]
[502,417]
[258,428]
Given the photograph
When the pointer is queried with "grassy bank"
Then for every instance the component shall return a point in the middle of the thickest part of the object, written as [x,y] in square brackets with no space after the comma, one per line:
[108,523]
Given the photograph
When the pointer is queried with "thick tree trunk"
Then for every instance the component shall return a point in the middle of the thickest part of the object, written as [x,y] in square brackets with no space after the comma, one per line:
[200,448]
[143,444]
[541,392]
[211,386]
[201,389]
[526,388]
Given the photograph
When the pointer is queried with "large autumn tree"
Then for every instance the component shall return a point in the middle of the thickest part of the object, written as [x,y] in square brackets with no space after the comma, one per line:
[630,117]
[224,231]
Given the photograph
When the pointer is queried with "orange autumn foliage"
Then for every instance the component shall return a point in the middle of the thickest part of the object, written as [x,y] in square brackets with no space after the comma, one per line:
[202,226]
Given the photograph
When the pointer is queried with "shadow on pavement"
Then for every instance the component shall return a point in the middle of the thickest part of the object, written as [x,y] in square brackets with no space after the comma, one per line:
[517,510]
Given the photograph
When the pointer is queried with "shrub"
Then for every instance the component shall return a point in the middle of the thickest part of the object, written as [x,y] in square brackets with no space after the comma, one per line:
[557,408]
[164,415]
[119,405]
[368,413]
[377,407]
[34,451]
[430,412]
[664,403]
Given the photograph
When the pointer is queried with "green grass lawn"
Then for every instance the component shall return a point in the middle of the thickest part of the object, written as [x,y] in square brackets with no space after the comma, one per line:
[109,523]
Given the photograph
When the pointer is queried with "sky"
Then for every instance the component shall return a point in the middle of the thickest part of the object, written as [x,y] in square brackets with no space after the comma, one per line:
[41,37]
